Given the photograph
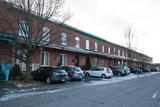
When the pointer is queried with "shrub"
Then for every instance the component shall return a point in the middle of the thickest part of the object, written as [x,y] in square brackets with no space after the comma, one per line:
[15,71]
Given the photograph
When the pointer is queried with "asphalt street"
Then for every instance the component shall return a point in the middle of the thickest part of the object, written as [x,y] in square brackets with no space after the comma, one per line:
[137,92]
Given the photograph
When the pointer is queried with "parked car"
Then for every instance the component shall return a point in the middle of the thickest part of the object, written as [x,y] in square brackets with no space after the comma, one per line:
[74,72]
[135,70]
[126,69]
[49,74]
[118,70]
[154,69]
[103,72]
[146,70]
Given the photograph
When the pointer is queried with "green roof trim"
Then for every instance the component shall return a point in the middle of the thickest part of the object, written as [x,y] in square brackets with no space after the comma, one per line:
[97,38]
[91,35]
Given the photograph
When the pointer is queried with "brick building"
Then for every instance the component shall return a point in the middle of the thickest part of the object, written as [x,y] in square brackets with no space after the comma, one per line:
[71,47]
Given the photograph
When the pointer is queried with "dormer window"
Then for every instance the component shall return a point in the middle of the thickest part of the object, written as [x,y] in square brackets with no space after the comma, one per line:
[63,38]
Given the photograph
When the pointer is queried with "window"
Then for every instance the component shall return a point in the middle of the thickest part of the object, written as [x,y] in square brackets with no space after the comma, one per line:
[114,51]
[123,53]
[119,52]
[103,48]
[109,50]
[96,47]
[63,38]
[87,44]
[45,58]
[77,42]
[126,54]
[23,28]
[20,54]
[63,59]
[46,34]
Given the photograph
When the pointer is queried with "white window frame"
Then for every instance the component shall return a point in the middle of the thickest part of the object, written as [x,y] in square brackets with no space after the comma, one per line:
[46,34]
[95,46]
[63,38]
[109,50]
[87,44]
[22,27]
[77,42]
[44,60]
[64,59]
[102,48]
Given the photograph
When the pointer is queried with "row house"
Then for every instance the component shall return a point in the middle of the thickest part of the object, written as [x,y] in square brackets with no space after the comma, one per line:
[70,46]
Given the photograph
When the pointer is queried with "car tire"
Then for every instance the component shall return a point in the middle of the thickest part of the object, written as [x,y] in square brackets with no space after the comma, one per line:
[103,76]
[87,74]
[48,80]
[70,78]
[119,74]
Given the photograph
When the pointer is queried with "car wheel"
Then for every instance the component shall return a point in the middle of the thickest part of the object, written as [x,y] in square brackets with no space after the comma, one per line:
[70,78]
[87,74]
[48,80]
[103,76]
[119,74]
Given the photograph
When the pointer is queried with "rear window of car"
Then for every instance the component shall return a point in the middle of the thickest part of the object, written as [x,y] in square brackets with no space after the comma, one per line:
[76,68]
[59,70]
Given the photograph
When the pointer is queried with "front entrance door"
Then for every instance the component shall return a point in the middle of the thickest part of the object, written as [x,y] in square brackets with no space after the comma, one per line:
[76,60]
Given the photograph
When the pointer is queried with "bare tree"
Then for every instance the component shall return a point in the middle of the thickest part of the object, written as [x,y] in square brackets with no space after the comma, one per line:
[130,40]
[32,36]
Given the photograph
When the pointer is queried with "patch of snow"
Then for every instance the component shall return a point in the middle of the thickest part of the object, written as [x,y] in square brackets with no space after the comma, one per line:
[19,95]
[25,93]
[20,85]
[155,94]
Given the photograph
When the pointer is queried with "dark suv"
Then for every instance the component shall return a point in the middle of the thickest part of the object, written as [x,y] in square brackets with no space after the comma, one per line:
[118,70]
[49,74]
[74,72]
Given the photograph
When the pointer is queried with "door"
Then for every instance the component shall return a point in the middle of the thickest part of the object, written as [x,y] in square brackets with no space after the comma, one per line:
[76,60]
[93,72]
[99,72]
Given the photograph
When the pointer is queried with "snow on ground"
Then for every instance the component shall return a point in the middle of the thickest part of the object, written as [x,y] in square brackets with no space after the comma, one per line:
[19,95]
[31,92]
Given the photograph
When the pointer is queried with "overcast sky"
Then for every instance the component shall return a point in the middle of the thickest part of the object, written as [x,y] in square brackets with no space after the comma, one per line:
[109,19]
